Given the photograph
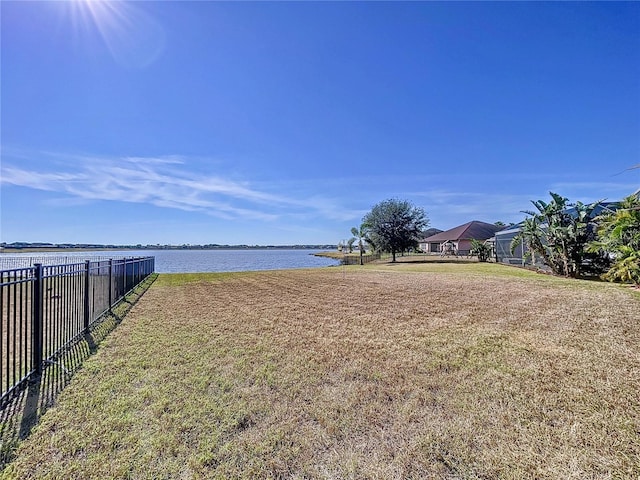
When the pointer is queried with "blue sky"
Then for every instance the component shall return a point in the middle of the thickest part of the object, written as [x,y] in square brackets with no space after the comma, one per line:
[285,122]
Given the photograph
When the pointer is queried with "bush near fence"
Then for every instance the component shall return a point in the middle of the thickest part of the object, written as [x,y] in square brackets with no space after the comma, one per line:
[46,309]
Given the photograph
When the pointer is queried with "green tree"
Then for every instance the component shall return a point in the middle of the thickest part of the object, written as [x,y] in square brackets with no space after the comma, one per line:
[619,235]
[559,232]
[395,225]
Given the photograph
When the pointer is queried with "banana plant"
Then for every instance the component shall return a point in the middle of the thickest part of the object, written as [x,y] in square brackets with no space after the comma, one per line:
[559,232]
[619,235]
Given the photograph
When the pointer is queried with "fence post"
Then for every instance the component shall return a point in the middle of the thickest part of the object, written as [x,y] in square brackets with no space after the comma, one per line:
[86,296]
[126,278]
[36,327]
[110,283]
[123,274]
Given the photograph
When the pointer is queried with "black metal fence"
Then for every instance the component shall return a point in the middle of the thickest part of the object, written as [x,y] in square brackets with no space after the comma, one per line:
[46,309]
[355,259]
[10,261]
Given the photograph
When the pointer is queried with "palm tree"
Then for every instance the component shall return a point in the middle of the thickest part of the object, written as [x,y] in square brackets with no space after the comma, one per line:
[350,244]
[481,249]
[361,234]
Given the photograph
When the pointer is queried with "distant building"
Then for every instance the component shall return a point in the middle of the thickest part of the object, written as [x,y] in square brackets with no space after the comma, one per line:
[458,239]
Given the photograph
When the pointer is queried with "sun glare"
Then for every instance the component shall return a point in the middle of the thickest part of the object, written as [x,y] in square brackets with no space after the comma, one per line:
[134,38]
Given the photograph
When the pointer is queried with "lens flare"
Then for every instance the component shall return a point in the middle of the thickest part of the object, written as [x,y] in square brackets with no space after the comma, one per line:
[134,38]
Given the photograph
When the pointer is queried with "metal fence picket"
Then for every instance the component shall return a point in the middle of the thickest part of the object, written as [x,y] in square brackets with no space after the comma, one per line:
[45,309]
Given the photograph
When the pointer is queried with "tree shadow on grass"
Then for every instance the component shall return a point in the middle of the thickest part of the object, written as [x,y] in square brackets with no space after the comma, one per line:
[23,411]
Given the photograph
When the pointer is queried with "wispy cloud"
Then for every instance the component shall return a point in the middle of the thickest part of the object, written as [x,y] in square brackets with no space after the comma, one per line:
[182,183]
[448,207]
[167,182]
[592,191]
[163,182]
[442,205]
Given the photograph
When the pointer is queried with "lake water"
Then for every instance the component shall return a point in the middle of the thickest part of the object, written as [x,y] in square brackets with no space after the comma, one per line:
[188,261]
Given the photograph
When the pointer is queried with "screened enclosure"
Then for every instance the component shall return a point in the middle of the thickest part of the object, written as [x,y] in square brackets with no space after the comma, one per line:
[519,255]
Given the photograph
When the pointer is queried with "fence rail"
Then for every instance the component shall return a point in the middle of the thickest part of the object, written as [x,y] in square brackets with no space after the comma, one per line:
[46,309]
[13,261]
[355,259]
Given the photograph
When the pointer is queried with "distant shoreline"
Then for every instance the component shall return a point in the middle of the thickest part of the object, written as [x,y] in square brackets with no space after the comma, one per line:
[152,248]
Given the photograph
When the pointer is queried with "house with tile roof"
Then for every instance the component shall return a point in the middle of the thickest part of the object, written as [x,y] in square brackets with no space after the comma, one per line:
[458,240]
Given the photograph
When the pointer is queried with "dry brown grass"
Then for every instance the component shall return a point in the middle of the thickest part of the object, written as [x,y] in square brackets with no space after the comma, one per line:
[418,371]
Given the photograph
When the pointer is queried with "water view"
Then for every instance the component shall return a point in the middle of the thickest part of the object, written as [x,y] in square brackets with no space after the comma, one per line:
[186,261]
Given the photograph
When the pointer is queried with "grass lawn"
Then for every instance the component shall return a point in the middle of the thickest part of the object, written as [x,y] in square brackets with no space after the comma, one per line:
[413,370]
